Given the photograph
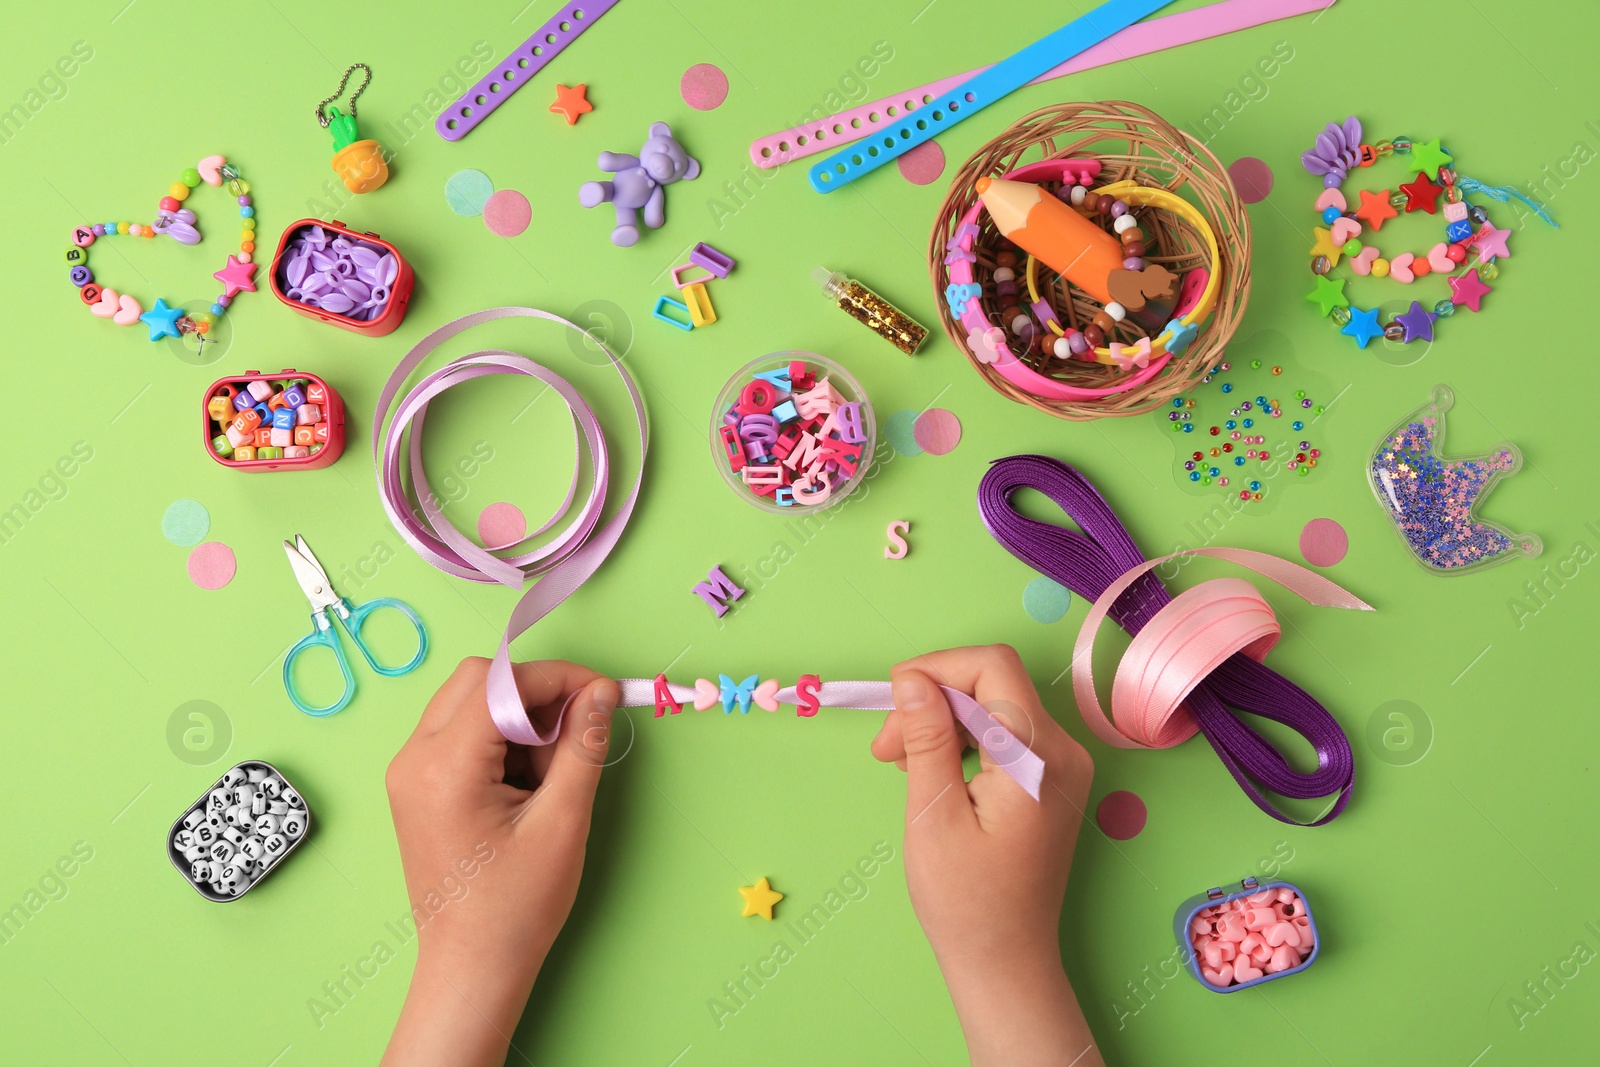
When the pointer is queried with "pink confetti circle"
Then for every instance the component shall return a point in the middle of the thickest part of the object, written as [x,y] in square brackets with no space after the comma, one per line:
[923,164]
[937,431]
[501,525]
[211,565]
[507,213]
[1121,815]
[1323,542]
[1252,177]
[704,87]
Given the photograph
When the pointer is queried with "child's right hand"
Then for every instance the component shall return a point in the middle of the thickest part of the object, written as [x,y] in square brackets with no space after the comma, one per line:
[987,865]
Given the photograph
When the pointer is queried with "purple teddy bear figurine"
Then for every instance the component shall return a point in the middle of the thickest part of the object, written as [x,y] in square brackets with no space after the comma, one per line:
[640,182]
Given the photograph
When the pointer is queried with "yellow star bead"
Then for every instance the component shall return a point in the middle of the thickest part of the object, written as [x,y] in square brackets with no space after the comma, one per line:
[1325,246]
[759,899]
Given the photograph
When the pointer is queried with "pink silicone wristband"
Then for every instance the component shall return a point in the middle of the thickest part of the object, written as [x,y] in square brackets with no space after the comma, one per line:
[1141,39]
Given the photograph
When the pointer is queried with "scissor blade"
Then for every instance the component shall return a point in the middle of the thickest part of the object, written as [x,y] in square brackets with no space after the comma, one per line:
[313,582]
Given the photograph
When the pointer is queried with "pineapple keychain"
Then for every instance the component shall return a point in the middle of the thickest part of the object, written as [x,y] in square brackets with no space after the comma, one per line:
[359,164]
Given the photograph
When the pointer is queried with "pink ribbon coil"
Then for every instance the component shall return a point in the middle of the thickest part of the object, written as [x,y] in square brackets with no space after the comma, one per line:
[1184,643]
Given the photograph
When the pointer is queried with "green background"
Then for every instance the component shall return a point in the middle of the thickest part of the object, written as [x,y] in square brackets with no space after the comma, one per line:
[1452,880]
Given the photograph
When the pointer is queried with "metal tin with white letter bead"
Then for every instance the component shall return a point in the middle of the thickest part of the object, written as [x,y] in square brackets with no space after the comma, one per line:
[229,856]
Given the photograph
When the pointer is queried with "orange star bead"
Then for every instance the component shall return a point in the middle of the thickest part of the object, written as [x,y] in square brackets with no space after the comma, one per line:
[570,103]
[1375,209]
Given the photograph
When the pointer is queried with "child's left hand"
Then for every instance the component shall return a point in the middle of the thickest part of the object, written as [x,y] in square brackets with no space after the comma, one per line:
[492,838]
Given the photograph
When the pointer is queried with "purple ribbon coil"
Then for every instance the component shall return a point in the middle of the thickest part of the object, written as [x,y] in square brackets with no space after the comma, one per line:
[1088,562]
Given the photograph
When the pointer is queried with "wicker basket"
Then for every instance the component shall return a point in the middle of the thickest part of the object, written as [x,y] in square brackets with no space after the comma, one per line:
[1130,141]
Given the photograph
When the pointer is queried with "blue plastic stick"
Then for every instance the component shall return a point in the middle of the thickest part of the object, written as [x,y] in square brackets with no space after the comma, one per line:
[1000,80]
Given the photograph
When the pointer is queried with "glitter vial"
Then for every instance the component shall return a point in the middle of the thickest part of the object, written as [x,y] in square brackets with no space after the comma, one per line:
[871,310]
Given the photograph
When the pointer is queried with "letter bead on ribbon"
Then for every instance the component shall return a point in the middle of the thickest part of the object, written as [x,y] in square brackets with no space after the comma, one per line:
[811,693]
[178,222]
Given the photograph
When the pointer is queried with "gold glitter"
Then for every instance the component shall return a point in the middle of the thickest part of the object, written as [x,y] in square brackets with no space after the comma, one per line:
[872,311]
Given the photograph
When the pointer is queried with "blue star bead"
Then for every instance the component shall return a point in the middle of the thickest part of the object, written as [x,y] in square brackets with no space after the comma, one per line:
[162,320]
[1182,336]
[1363,326]
[1418,323]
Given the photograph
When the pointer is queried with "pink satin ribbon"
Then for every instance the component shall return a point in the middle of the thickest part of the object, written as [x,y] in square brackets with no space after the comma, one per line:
[1184,643]
[562,564]
[1003,747]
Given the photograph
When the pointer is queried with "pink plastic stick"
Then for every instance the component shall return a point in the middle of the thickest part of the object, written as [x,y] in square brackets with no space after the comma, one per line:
[1140,39]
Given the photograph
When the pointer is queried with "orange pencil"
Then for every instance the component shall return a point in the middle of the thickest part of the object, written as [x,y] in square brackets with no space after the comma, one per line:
[1053,233]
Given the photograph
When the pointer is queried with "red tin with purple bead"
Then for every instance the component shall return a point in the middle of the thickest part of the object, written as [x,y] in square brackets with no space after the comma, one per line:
[362,279]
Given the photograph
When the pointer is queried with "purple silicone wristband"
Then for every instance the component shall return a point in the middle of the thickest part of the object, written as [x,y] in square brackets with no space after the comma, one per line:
[532,56]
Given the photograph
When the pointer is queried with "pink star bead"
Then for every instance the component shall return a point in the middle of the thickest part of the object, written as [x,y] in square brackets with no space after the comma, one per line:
[1491,242]
[1469,290]
[236,276]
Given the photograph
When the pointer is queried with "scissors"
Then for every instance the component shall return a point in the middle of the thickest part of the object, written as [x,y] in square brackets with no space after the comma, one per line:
[319,591]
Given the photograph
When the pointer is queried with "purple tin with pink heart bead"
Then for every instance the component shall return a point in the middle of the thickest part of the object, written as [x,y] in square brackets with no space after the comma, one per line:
[1244,937]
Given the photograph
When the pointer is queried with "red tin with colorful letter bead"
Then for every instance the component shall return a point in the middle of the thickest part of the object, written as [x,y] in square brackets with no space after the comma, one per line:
[1266,928]
[385,318]
[316,435]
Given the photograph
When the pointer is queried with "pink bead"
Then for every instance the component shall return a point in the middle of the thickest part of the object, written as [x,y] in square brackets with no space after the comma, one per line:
[1282,933]
[296,452]
[1283,958]
[1249,944]
[1263,953]
[306,414]
[1231,928]
[1259,918]
[1243,971]
[1256,900]
[1221,977]
[1286,895]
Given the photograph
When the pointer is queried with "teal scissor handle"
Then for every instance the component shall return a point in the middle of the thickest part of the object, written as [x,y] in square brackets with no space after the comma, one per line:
[354,615]
[321,634]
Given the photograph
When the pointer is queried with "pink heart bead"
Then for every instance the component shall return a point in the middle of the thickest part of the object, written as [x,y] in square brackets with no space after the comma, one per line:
[128,311]
[1262,953]
[1438,260]
[706,694]
[210,169]
[1341,231]
[1231,928]
[1330,198]
[106,306]
[1259,918]
[1400,268]
[1285,895]
[1243,971]
[1256,900]
[766,695]
[1221,977]
[1249,944]
[1199,925]
[1362,263]
[1283,958]
[1283,934]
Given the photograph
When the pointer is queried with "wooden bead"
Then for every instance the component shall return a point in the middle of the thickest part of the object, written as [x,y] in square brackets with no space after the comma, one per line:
[1006,259]
[1103,204]
[1105,322]
[1094,335]
[1132,248]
